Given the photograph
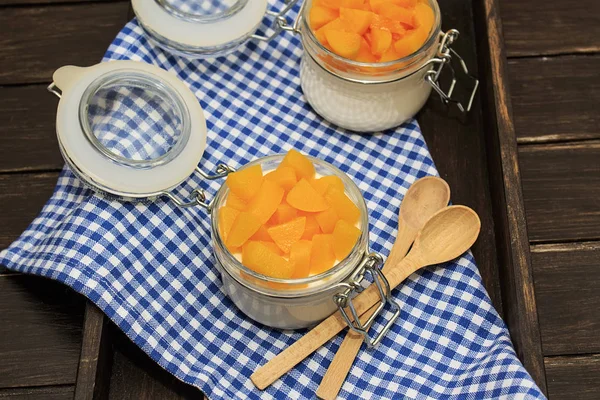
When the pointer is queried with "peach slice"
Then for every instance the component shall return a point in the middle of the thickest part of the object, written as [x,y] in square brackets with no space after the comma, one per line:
[300,258]
[424,16]
[266,200]
[262,234]
[305,198]
[261,259]
[381,40]
[311,228]
[384,23]
[356,4]
[390,55]
[319,16]
[234,201]
[345,207]
[322,184]
[344,238]
[300,163]
[410,43]
[245,225]
[227,216]
[283,176]
[245,183]
[345,44]
[283,214]
[396,13]
[358,20]
[322,256]
[286,234]
[364,55]
[327,220]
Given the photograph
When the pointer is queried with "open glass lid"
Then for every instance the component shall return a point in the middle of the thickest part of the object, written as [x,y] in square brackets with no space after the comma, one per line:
[206,28]
[128,128]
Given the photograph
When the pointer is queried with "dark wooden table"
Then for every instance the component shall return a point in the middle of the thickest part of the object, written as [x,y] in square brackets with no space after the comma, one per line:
[553,65]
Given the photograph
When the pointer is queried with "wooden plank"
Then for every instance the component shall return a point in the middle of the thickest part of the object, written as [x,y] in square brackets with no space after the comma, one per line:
[567,288]
[573,377]
[539,27]
[96,357]
[556,98]
[27,129]
[135,376]
[42,393]
[561,186]
[35,41]
[518,295]
[24,196]
[443,132]
[40,331]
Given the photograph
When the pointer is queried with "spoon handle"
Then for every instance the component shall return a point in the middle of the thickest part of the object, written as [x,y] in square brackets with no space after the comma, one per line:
[344,358]
[319,335]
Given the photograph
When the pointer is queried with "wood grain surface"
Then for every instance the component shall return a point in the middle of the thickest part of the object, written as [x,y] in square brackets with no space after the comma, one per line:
[518,294]
[539,27]
[64,392]
[35,41]
[27,129]
[573,377]
[567,283]
[40,327]
[561,186]
[556,98]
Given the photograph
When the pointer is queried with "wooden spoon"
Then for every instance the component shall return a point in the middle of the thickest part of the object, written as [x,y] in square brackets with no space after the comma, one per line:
[448,234]
[424,198]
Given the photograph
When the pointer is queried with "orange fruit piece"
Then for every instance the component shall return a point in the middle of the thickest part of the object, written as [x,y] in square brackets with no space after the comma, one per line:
[404,3]
[390,55]
[364,55]
[227,216]
[358,20]
[322,184]
[356,4]
[311,228]
[245,225]
[345,208]
[381,40]
[335,4]
[284,213]
[424,17]
[266,200]
[327,220]
[246,182]
[345,44]
[384,23]
[262,234]
[284,235]
[344,238]
[305,198]
[271,245]
[319,16]
[300,258]
[410,43]
[396,13]
[234,201]
[259,258]
[322,256]
[283,176]
[300,163]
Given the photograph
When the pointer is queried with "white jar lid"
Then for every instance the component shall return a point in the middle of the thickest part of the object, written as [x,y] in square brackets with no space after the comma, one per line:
[200,28]
[128,128]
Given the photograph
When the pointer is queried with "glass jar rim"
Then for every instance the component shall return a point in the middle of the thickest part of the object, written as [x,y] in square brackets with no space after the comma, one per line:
[431,40]
[361,245]
[201,18]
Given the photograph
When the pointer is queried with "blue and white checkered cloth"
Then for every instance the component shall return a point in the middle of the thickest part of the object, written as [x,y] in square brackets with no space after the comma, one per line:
[150,268]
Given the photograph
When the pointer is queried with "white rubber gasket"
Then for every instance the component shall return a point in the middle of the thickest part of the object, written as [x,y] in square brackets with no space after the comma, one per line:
[100,171]
[215,33]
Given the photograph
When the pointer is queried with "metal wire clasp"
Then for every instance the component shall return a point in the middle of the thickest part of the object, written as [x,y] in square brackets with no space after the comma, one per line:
[280,23]
[444,58]
[369,265]
[198,196]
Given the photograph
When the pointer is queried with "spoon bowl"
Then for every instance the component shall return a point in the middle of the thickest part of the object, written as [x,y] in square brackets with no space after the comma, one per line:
[423,199]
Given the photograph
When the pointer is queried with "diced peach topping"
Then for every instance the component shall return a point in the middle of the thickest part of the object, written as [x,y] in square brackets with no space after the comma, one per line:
[288,223]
